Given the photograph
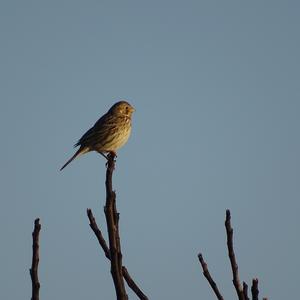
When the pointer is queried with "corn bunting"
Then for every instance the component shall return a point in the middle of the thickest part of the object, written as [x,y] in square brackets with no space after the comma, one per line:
[108,134]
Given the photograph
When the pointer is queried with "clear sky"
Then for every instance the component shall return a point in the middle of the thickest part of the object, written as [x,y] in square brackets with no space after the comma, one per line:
[217,96]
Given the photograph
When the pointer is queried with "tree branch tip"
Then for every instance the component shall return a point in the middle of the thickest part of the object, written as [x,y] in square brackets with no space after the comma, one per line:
[37,221]
[228,215]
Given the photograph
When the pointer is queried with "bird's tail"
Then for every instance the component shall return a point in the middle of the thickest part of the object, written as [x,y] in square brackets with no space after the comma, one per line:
[79,152]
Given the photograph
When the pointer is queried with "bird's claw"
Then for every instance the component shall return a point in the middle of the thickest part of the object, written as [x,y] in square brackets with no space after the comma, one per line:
[109,156]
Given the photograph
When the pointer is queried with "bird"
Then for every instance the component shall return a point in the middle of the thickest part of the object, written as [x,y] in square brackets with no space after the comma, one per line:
[108,134]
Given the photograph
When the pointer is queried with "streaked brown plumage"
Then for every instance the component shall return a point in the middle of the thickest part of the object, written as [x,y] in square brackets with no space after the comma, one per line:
[108,134]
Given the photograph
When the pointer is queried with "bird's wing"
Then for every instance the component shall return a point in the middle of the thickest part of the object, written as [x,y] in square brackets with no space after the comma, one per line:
[99,132]
[84,138]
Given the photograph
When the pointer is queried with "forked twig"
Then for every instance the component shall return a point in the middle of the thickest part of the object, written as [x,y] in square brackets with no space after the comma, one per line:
[241,290]
[113,251]
[131,283]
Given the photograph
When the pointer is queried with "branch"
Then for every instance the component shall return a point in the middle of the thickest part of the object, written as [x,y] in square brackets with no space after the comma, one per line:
[209,278]
[98,233]
[133,285]
[112,219]
[105,248]
[35,260]
[254,289]
[241,290]
[245,290]
[234,266]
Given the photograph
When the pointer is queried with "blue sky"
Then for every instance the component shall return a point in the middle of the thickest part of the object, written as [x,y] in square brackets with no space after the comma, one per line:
[216,91]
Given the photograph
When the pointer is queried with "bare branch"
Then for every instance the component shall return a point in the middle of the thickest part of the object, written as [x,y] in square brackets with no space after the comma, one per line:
[245,290]
[254,289]
[234,266]
[35,260]
[105,248]
[98,233]
[241,290]
[209,278]
[133,285]
[112,229]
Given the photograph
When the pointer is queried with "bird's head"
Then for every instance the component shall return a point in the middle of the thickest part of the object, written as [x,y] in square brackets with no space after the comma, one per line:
[122,108]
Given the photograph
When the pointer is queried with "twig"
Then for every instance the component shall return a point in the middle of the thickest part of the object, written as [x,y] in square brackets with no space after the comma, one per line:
[35,260]
[105,248]
[112,229]
[234,266]
[209,278]
[245,290]
[254,289]
[133,285]
[241,290]
[98,233]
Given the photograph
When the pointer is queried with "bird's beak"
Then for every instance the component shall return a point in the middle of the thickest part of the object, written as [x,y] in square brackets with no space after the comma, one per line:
[132,109]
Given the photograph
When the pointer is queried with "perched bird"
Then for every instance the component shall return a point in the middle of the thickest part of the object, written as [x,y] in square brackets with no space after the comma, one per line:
[108,134]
